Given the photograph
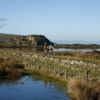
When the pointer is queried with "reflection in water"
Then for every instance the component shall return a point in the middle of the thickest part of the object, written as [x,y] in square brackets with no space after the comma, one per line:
[30,88]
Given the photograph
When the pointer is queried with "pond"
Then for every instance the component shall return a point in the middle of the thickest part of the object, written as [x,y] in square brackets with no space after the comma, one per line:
[32,87]
[79,50]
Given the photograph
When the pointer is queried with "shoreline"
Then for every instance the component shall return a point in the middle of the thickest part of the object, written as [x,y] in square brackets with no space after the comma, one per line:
[73,73]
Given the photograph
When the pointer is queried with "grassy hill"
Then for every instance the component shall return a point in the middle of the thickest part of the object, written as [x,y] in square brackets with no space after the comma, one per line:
[22,40]
[4,37]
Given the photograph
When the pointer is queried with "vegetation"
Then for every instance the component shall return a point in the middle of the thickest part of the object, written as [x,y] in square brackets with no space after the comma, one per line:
[4,37]
[80,71]
[10,67]
[84,90]
[93,57]
[19,41]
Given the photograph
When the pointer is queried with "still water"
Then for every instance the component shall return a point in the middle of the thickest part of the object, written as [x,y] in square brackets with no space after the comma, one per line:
[31,88]
[79,50]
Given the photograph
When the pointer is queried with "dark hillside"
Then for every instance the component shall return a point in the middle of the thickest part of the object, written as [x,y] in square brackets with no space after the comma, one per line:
[10,40]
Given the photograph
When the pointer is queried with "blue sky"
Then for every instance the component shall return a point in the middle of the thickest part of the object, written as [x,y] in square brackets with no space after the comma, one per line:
[67,20]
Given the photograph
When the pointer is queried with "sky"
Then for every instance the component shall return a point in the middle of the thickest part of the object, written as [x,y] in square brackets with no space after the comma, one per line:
[62,20]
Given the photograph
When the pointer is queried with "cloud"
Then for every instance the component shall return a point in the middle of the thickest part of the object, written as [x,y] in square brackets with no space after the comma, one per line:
[3,19]
[3,25]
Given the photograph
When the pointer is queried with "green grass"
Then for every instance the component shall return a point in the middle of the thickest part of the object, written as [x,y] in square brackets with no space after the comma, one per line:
[4,37]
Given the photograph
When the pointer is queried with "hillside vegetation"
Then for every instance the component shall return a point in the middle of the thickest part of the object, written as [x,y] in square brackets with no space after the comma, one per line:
[23,40]
[4,37]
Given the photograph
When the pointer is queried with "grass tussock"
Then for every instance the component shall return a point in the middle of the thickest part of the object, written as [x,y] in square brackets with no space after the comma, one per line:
[10,67]
[83,90]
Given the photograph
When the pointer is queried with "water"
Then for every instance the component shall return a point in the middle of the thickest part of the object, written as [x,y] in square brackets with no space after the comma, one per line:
[55,49]
[79,50]
[31,88]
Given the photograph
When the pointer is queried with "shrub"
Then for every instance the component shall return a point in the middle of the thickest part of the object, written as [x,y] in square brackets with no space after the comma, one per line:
[83,90]
[10,66]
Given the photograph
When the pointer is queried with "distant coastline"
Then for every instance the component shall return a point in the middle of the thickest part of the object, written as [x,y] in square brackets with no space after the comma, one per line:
[75,42]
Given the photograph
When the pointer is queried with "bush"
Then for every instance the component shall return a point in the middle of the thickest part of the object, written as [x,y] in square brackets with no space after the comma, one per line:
[83,90]
[10,66]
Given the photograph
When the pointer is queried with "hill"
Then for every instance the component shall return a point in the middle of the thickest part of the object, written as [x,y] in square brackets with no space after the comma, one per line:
[10,40]
[4,37]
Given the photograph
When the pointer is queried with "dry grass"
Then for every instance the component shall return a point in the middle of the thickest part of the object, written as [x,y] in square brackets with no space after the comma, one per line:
[83,90]
[84,56]
[9,66]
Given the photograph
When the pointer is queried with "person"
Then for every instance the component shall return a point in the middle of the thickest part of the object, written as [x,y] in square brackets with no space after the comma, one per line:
[45,48]
[51,48]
